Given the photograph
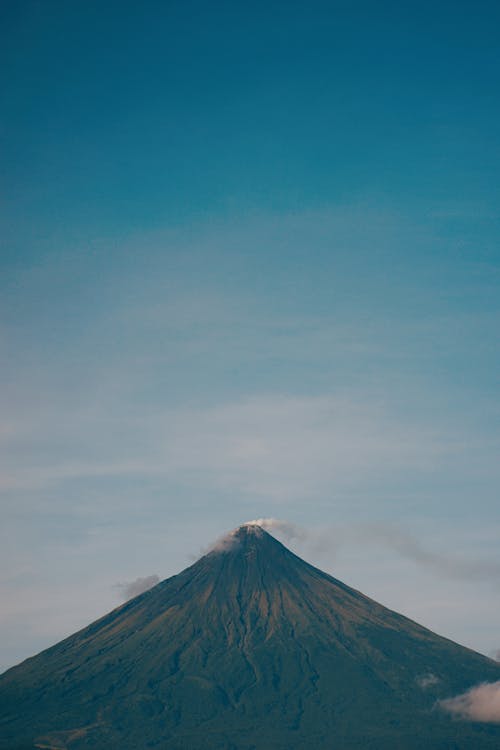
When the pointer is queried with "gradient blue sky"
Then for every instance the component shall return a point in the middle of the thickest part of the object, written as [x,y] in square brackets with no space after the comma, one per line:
[249,267]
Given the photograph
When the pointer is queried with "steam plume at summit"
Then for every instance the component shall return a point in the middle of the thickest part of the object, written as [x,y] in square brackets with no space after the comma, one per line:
[286,529]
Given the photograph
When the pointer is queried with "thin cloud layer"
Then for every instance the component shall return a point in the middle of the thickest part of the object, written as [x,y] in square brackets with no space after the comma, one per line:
[280,447]
[410,548]
[481,703]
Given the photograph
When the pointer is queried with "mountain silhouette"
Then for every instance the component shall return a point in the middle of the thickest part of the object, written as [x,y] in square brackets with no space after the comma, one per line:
[250,648]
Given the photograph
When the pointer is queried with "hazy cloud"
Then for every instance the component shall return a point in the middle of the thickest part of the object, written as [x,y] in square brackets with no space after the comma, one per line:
[328,540]
[129,589]
[409,547]
[480,703]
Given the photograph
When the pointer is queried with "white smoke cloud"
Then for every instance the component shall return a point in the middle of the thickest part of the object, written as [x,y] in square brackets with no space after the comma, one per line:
[480,703]
[129,589]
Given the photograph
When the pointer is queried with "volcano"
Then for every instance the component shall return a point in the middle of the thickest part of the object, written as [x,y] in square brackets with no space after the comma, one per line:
[250,648]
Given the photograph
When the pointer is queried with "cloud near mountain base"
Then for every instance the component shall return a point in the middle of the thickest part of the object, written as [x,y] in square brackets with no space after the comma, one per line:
[480,703]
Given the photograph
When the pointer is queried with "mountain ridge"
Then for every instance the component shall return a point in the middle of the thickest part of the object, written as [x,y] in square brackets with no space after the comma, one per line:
[249,647]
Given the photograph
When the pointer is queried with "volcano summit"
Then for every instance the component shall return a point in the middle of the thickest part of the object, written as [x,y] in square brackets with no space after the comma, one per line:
[250,648]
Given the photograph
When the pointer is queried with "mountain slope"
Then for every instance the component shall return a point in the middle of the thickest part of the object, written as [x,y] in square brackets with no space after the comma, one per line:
[250,647]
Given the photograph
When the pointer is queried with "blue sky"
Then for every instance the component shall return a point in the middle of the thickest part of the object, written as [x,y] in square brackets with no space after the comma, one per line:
[249,267]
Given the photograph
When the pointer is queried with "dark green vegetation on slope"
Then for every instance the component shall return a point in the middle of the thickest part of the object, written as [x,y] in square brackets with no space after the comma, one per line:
[249,648]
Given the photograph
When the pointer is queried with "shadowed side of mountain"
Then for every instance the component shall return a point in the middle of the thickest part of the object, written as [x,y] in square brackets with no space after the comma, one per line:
[250,647]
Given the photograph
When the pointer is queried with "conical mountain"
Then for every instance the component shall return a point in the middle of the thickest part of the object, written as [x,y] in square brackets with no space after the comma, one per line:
[250,648]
